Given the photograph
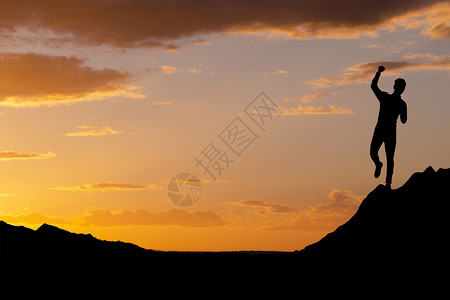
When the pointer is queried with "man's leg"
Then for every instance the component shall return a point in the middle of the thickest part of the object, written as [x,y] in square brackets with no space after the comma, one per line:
[375,145]
[389,145]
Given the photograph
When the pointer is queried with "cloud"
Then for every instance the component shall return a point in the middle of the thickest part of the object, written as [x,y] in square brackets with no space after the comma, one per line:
[440,30]
[7,195]
[372,46]
[162,103]
[172,69]
[34,218]
[280,72]
[194,71]
[194,105]
[139,217]
[198,180]
[268,207]
[435,20]
[31,79]
[338,208]
[92,131]
[339,203]
[310,97]
[364,71]
[11,155]
[108,186]
[166,24]
[311,110]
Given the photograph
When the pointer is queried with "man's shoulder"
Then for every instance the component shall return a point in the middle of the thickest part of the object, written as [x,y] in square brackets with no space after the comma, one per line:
[382,95]
[397,98]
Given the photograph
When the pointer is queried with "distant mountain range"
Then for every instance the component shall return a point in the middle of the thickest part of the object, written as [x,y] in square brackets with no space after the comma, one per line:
[399,234]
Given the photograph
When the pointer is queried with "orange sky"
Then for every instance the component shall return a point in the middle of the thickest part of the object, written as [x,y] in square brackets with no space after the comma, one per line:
[102,103]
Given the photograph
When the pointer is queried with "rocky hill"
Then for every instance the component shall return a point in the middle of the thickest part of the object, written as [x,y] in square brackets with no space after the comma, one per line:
[400,235]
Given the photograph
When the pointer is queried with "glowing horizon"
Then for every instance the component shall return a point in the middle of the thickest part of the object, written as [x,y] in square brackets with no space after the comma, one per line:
[99,113]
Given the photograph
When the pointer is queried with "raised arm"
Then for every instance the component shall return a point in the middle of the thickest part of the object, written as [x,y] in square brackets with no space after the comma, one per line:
[374,85]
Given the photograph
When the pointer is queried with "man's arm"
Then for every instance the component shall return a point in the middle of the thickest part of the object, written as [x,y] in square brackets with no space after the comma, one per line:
[374,85]
[403,114]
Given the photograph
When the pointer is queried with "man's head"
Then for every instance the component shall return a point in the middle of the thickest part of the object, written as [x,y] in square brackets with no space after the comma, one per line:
[399,86]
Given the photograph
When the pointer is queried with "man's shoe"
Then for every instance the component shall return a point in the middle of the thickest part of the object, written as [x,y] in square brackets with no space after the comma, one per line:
[378,169]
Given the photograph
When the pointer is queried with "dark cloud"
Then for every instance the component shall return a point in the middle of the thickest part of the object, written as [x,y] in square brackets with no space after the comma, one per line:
[31,79]
[132,23]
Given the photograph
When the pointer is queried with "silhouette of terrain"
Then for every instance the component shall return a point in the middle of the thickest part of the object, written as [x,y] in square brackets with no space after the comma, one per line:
[400,232]
[404,227]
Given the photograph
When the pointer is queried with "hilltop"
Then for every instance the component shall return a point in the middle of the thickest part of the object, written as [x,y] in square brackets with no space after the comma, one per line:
[400,232]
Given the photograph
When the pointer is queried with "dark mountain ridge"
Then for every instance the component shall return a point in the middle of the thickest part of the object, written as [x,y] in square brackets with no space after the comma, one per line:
[400,231]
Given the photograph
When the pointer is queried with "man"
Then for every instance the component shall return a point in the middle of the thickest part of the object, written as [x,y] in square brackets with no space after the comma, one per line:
[391,106]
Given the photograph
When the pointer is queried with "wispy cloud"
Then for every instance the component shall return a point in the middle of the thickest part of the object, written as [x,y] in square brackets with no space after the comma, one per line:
[312,110]
[33,218]
[92,131]
[281,72]
[434,20]
[194,105]
[162,103]
[372,46]
[108,186]
[11,155]
[271,208]
[30,79]
[194,71]
[337,209]
[364,71]
[310,97]
[172,69]
[139,217]
[7,195]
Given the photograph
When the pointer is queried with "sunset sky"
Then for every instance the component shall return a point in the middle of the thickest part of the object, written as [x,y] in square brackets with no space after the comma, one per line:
[103,102]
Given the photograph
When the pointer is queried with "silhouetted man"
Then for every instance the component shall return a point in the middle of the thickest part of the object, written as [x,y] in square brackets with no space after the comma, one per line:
[391,106]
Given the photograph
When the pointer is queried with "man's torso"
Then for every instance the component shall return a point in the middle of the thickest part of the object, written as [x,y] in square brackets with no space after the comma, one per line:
[391,107]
